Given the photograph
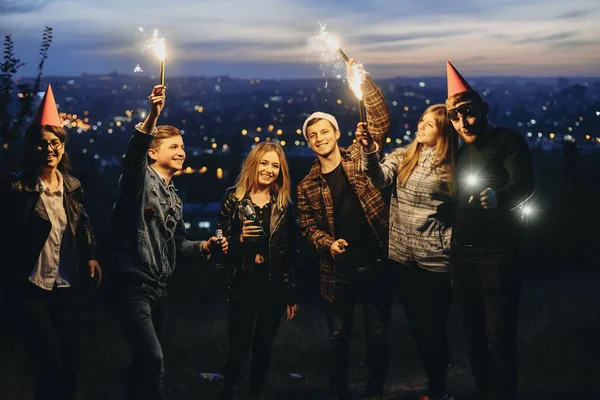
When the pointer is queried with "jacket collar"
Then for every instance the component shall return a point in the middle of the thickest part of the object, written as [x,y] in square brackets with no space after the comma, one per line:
[29,180]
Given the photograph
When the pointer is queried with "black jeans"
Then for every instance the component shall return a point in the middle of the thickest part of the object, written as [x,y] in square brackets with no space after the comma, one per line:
[372,287]
[487,285]
[255,308]
[141,312]
[46,323]
[427,297]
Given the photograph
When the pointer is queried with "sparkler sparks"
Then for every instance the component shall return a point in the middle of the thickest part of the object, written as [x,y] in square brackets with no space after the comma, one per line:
[158,46]
[330,40]
[138,68]
[472,180]
[355,81]
[322,47]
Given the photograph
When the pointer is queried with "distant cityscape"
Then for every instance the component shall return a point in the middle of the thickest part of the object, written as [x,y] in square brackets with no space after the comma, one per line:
[222,118]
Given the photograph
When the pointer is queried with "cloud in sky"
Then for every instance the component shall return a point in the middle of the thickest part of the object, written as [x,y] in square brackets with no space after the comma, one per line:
[268,38]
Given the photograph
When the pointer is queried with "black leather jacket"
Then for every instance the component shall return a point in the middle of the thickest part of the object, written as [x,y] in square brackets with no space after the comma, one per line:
[26,226]
[283,243]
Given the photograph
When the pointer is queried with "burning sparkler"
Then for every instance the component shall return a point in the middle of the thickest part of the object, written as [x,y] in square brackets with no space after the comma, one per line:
[472,181]
[355,81]
[159,47]
[356,77]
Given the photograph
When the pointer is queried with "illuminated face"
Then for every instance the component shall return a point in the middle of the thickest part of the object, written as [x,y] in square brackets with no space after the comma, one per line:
[169,155]
[49,150]
[428,131]
[468,119]
[322,137]
[268,168]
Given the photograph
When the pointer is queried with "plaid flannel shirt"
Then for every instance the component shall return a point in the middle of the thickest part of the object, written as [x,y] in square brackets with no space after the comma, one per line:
[315,204]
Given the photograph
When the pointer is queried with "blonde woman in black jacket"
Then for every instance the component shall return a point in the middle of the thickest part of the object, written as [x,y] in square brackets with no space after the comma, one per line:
[258,221]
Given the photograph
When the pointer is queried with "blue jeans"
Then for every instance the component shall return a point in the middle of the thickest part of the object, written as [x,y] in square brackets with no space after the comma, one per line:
[141,312]
[370,285]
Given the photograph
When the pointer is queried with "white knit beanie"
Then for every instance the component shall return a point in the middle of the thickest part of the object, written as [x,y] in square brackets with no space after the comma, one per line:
[321,115]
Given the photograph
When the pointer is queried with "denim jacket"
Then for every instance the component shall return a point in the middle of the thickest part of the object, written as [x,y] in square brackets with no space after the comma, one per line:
[148,227]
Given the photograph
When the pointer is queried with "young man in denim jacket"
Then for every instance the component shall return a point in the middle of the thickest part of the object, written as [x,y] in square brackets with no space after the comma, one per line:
[149,233]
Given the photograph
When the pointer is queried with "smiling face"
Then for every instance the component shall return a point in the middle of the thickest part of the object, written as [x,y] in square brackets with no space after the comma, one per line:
[169,155]
[49,150]
[322,137]
[469,120]
[428,130]
[268,169]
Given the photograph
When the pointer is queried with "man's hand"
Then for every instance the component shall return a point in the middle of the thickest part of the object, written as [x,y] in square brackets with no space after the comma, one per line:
[338,248]
[208,246]
[249,231]
[157,102]
[353,69]
[364,138]
[292,311]
[95,271]
[488,199]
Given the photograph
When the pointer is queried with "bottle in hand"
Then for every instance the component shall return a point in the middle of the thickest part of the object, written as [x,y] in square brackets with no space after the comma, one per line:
[250,214]
[217,256]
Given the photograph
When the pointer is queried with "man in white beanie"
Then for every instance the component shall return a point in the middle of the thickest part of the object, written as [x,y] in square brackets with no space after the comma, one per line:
[346,221]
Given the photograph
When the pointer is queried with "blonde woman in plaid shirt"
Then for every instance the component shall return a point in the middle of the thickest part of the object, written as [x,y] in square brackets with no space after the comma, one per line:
[420,230]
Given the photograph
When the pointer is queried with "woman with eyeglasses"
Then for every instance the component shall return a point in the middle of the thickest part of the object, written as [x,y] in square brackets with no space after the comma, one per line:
[420,230]
[258,221]
[47,247]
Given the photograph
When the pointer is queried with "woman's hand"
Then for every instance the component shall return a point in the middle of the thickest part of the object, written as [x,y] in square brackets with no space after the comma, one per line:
[95,271]
[249,231]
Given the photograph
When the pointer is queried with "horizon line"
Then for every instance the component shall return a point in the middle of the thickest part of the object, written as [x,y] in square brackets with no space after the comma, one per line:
[129,74]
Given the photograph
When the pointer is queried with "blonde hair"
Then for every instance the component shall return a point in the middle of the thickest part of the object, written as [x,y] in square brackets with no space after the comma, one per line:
[445,149]
[248,177]
[162,132]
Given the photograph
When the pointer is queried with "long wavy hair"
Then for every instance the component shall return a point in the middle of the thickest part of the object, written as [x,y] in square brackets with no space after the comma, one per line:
[248,177]
[32,138]
[445,149]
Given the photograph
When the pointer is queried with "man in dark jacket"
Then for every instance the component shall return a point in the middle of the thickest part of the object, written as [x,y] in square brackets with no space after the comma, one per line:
[494,178]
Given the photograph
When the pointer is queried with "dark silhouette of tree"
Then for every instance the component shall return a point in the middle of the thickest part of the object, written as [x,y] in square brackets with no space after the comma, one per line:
[11,126]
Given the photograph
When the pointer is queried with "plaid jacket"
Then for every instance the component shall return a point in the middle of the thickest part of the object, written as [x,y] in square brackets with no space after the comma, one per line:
[315,204]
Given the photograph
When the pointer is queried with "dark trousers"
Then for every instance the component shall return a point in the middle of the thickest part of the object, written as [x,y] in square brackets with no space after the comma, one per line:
[372,287]
[487,285]
[255,308]
[426,297]
[46,323]
[141,312]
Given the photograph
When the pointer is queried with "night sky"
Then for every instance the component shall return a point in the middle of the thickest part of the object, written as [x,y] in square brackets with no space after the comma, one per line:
[271,38]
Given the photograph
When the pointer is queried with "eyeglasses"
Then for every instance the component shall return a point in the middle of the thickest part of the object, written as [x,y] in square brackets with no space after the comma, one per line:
[54,144]
[466,110]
